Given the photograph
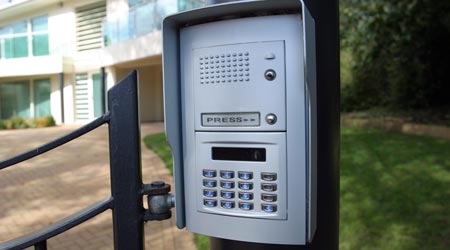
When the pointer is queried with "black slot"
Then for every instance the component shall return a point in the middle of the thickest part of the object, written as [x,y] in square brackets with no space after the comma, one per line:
[238,154]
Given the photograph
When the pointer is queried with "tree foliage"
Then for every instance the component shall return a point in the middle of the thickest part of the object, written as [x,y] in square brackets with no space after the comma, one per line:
[400,53]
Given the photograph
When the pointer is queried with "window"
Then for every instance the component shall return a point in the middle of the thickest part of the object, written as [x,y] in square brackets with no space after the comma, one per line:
[21,39]
[39,28]
[41,94]
[16,98]
[97,94]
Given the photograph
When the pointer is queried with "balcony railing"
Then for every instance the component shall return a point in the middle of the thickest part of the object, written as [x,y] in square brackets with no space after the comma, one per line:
[143,19]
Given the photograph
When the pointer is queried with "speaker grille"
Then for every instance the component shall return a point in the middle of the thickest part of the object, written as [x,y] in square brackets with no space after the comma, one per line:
[233,67]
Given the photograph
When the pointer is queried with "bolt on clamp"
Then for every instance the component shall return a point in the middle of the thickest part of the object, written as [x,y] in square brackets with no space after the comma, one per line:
[159,201]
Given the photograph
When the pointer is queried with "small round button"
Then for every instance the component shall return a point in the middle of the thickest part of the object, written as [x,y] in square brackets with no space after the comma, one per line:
[270,74]
[271,119]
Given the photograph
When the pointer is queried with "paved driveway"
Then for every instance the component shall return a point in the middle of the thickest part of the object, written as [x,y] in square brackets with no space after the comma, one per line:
[52,186]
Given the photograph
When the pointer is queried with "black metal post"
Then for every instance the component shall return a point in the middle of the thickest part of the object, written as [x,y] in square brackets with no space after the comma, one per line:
[103,89]
[61,92]
[325,14]
[125,160]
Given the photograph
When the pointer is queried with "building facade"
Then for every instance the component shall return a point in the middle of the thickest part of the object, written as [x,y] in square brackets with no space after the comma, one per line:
[59,57]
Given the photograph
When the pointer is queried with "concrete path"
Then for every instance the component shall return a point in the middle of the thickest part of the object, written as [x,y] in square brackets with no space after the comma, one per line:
[52,186]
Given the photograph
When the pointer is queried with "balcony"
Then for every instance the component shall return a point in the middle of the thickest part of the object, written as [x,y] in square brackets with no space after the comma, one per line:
[143,19]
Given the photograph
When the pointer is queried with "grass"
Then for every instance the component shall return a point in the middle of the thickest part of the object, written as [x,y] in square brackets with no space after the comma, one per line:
[395,190]
[157,143]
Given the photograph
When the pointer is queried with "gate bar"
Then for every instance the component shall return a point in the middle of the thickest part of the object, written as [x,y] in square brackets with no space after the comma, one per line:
[56,143]
[125,161]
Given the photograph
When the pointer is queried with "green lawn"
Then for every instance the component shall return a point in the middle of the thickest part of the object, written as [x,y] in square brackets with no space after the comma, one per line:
[395,190]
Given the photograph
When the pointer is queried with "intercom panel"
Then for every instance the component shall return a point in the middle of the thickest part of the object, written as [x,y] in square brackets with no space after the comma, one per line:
[245,119]
[240,116]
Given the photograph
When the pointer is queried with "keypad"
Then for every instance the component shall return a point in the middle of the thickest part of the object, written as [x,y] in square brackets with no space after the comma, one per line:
[225,189]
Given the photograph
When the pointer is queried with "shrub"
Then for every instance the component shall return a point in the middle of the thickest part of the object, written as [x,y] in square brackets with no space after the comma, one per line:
[400,53]
[19,122]
[16,122]
[2,124]
[46,121]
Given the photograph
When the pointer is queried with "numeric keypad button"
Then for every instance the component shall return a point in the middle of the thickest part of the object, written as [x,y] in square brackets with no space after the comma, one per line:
[227,204]
[227,194]
[227,184]
[245,175]
[210,203]
[270,208]
[209,193]
[246,196]
[245,185]
[208,173]
[209,183]
[269,197]
[269,176]
[269,187]
[227,174]
[245,206]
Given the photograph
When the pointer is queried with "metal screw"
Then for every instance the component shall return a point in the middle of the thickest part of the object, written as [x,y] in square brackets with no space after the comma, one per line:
[270,74]
[271,119]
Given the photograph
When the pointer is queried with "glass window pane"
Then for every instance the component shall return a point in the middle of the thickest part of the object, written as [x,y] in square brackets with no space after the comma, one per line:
[40,45]
[20,27]
[7,100]
[20,47]
[5,30]
[97,87]
[41,93]
[15,99]
[39,23]
[8,48]
[23,99]
[132,3]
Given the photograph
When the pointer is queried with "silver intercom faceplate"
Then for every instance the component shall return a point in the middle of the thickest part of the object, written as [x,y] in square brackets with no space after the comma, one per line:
[245,109]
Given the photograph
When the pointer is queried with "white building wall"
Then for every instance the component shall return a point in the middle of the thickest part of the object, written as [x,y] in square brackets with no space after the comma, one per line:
[69,82]
[61,27]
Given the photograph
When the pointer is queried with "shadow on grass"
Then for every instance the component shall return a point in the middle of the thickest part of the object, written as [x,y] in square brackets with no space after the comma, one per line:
[394,191]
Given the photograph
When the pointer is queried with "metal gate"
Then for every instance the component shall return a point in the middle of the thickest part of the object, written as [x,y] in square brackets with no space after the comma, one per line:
[127,189]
